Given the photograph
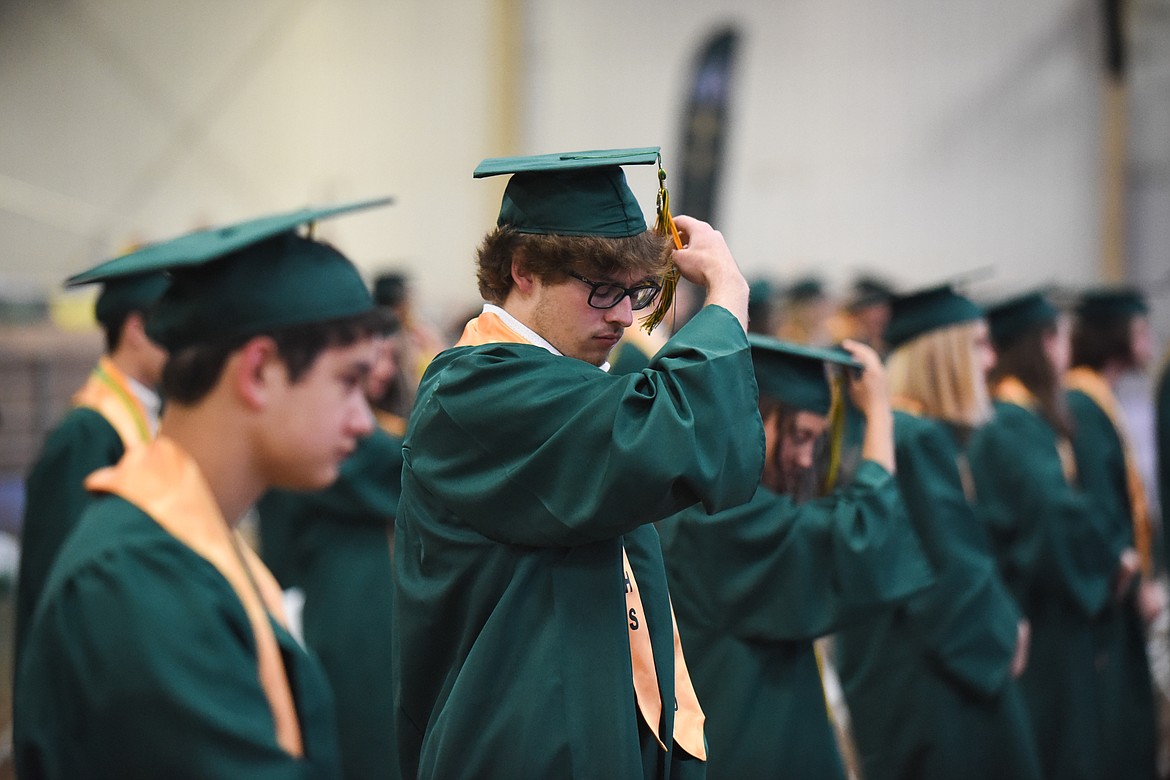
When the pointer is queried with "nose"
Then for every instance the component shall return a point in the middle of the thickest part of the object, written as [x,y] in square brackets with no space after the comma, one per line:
[804,456]
[621,312]
[362,419]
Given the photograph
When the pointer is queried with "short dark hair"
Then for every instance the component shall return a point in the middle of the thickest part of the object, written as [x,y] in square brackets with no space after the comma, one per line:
[191,373]
[549,257]
[1102,340]
[112,328]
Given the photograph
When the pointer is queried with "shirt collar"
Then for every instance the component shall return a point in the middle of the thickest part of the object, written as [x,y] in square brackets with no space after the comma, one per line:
[528,333]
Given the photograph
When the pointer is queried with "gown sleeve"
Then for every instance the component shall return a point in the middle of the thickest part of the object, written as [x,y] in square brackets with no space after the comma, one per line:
[967,621]
[536,449]
[773,570]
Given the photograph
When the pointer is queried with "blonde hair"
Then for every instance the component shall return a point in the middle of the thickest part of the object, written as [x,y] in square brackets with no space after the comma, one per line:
[940,373]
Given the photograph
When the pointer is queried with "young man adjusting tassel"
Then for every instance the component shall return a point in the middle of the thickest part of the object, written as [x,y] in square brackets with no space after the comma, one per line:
[534,633]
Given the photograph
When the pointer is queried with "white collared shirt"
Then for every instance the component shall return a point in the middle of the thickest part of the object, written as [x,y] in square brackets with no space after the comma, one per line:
[528,333]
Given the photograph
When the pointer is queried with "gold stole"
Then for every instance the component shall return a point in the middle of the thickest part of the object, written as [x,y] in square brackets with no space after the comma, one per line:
[107,391]
[489,328]
[1011,390]
[164,482]
[1094,385]
[391,423]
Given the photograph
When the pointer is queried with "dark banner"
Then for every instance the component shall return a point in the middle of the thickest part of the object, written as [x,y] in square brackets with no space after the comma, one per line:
[704,128]
[694,181]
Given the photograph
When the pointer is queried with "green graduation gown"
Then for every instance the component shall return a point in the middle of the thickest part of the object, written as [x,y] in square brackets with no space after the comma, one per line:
[753,586]
[1127,714]
[338,553]
[928,684]
[526,474]
[1056,559]
[141,664]
[55,496]
[1162,417]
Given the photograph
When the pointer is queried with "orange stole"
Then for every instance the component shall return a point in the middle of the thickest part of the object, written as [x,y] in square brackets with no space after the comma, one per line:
[489,328]
[1094,385]
[1011,390]
[107,391]
[164,482]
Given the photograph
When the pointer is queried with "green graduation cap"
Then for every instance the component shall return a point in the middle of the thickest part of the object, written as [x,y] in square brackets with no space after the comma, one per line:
[868,291]
[1010,318]
[806,289]
[127,294]
[571,193]
[796,374]
[1111,303]
[246,278]
[921,311]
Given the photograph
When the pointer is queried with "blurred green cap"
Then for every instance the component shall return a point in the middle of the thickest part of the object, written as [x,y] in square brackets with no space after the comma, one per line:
[921,311]
[127,294]
[1110,303]
[1019,314]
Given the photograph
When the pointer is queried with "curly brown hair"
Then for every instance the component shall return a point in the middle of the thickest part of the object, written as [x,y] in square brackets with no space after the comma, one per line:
[549,257]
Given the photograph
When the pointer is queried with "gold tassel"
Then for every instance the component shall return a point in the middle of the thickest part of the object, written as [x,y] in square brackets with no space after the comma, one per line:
[836,433]
[664,226]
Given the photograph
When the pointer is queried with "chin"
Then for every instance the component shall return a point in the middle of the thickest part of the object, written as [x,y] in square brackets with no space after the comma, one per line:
[318,480]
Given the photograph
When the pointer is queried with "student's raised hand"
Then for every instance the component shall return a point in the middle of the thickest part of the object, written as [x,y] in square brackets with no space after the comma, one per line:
[706,260]
[868,390]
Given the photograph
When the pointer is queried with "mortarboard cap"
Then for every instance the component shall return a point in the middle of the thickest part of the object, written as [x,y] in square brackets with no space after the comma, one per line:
[571,193]
[127,294]
[1012,317]
[246,278]
[794,373]
[806,289]
[921,311]
[1110,303]
[390,289]
[869,291]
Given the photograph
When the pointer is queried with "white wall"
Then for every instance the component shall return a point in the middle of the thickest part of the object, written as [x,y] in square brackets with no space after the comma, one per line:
[913,137]
[129,119]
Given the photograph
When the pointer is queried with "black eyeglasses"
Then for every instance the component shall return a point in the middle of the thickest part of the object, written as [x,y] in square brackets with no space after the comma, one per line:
[606,295]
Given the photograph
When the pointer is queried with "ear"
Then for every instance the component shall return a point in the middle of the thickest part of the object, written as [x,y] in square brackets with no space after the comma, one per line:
[133,329]
[523,279]
[256,371]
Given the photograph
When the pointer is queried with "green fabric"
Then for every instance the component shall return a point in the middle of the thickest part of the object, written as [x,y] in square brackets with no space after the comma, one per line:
[243,279]
[1056,558]
[921,311]
[337,551]
[525,473]
[55,496]
[208,244]
[796,373]
[1015,316]
[140,664]
[928,684]
[1162,437]
[1127,712]
[1111,304]
[121,296]
[627,358]
[281,282]
[572,193]
[753,586]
